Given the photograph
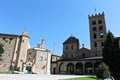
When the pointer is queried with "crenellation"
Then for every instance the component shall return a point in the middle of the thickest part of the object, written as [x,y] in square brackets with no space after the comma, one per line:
[99,15]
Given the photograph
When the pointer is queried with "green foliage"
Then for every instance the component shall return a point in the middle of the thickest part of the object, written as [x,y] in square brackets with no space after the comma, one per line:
[103,71]
[14,68]
[111,54]
[5,72]
[82,78]
[1,50]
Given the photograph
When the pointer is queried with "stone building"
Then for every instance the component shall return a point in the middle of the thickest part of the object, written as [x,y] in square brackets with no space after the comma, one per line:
[38,60]
[76,59]
[18,53]
[80,60]
[54,63]
[97,28]
[15,50]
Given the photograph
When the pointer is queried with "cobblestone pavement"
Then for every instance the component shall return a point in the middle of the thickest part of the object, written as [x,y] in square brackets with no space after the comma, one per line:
[35,77]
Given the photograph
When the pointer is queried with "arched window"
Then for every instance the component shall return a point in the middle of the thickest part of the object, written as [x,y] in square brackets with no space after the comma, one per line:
[95,44]
[83,55]
[41,58]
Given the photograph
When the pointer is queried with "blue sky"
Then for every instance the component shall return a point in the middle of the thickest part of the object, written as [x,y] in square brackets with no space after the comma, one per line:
[56,20]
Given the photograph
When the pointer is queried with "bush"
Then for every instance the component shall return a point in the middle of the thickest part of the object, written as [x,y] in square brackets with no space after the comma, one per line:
[14,68]
[103,71]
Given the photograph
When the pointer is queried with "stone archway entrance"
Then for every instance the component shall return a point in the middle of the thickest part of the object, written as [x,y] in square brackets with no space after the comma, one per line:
[79,69]
[88,68]
[70,68]
[62,68]
[29,69]
[96,65]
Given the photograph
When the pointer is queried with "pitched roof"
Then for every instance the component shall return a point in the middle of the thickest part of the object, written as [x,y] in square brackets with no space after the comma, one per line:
[71,39]
[24,33]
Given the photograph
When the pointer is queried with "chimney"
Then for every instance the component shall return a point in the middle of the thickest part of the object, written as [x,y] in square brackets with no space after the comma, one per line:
[38,45]
[42,43]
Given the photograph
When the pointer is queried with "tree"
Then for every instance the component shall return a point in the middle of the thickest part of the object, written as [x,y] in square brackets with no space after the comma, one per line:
[111,55]
[103,71]
[1,50]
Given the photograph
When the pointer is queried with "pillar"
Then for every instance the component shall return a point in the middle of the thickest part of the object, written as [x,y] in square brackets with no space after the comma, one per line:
[83,67]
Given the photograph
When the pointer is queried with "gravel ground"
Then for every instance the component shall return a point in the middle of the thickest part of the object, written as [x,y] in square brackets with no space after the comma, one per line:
[35,77]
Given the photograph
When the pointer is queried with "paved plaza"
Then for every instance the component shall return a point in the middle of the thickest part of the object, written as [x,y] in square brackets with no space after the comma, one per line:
[35,77]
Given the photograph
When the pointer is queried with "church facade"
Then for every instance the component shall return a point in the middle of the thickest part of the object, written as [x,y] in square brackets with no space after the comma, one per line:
[80,60]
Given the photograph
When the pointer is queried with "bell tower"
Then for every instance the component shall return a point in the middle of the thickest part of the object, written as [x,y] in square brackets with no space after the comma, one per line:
[23,46]
[97,27]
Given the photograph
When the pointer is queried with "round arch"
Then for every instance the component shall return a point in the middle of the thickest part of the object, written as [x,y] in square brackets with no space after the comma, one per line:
[79,68]
[88,68]
[96,65]
[70,68]
[62,68]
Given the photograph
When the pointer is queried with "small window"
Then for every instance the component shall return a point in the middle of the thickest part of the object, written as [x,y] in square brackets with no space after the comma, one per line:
[100,27]
[94,29]
[70,40]
[95,44]
[11,38]
[102,44]
[71,56]
[95,36]
[71,46]
[23,41]
[94,23]
[66,47]
[83,55]
[101,35]
[4,38]
[29,58]
[21,60]
[30,53]
[41,58]
[99,21]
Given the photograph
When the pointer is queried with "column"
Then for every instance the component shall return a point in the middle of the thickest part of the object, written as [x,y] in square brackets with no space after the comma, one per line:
[83,67]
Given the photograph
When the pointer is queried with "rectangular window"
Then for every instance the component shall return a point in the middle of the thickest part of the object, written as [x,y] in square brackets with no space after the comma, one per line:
[100,27]
[66,47]
[99,21]
[94,29]
[95,36]
[71,46]
[102,44]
